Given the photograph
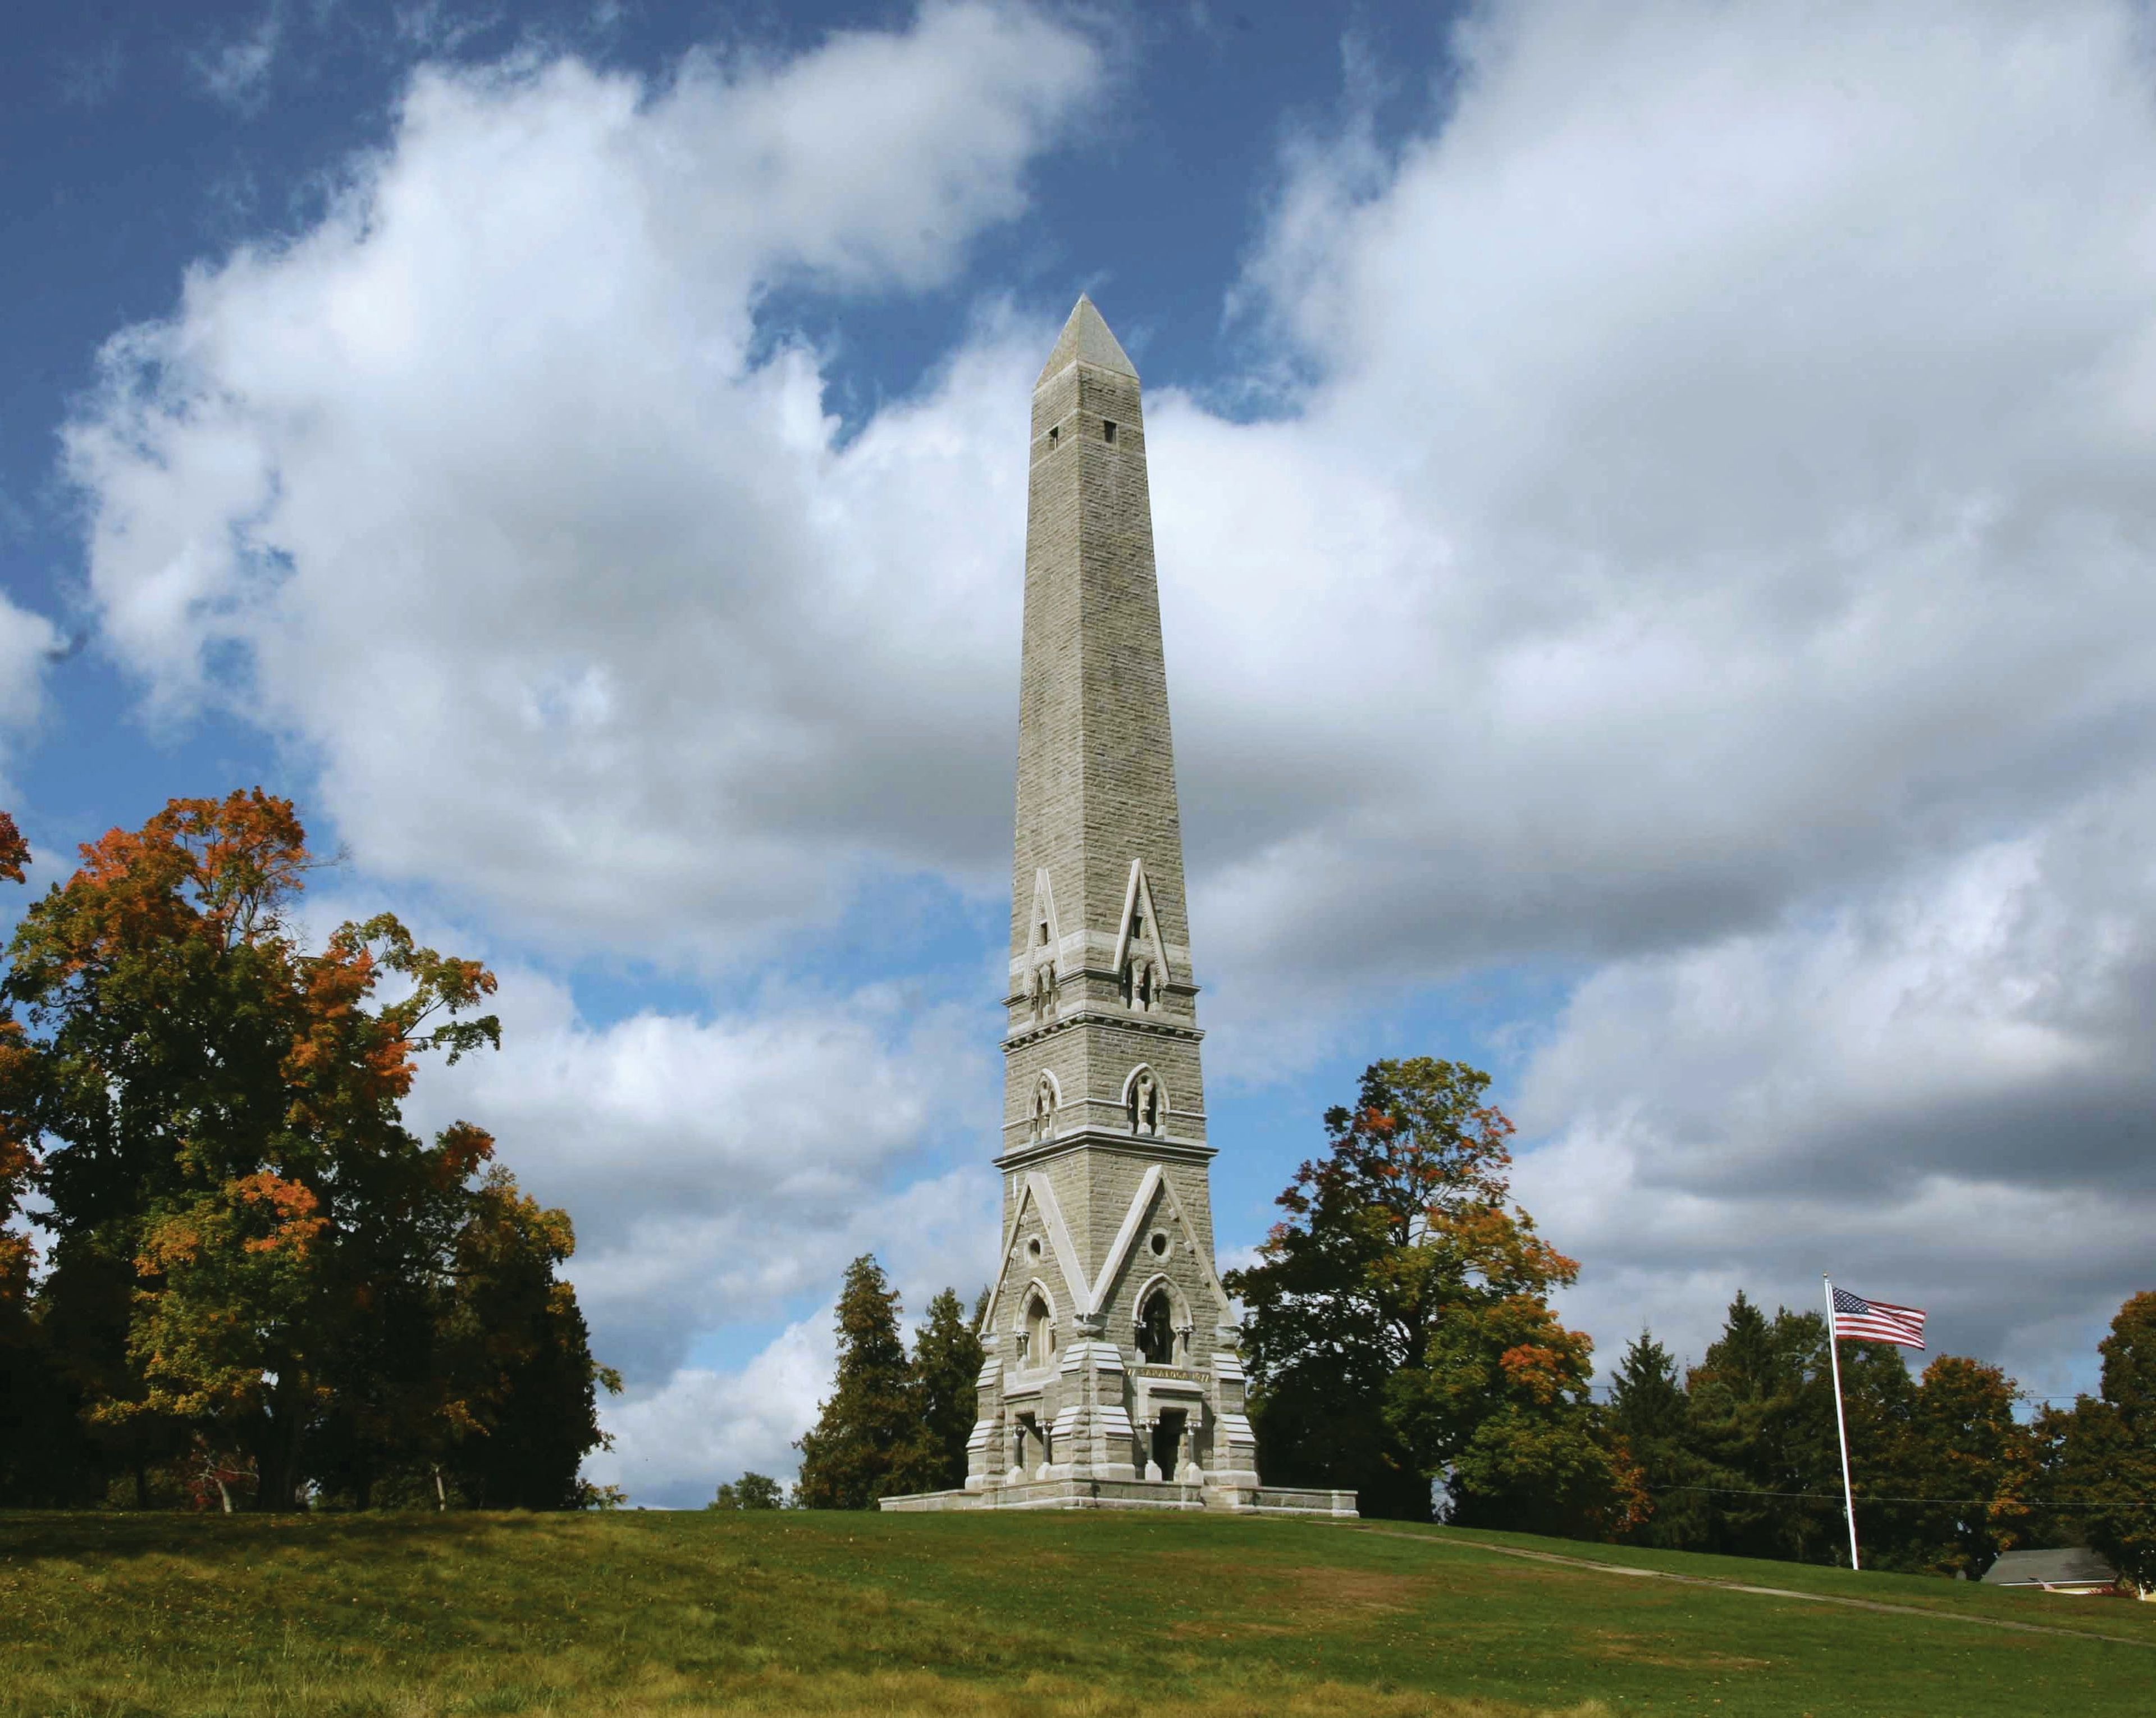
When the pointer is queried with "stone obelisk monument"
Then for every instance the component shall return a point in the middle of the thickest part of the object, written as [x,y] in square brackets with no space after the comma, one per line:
[1113,1377]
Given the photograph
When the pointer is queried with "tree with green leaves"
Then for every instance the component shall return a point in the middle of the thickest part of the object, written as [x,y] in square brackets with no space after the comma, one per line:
[42,1461]
[516,1355]
[1959,1447]
[252,1256]
[1743,1461]
[225,1109]
[751,1491]
[1398,1330]
[1763,1427]
[2105,1448]
[17,1130]
[947,1357]
[867,1442]
[1500,1404]
[1740,1394]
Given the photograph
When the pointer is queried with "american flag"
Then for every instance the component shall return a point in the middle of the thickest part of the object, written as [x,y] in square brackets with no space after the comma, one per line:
[1876,1321]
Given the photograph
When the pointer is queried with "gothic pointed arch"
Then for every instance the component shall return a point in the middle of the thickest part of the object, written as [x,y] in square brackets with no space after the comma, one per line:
[1047,1102]
[1140,955]
[1038,1325]
[1044,938]
[1145,1101]
[1043,1247]
[1156,1208]
[1161,1321]
[1045,931]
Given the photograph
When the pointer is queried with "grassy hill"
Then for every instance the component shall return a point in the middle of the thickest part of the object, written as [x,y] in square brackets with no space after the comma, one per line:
[1045,1615]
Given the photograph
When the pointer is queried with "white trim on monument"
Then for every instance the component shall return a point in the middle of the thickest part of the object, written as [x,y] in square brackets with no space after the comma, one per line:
[1089,1298]
[1138,891]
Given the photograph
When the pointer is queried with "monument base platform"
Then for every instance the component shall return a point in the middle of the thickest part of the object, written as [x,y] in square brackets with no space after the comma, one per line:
[1134,1495]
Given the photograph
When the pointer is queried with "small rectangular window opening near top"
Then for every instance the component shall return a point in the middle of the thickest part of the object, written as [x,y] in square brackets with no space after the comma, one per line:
[1107,430]
[1054,433]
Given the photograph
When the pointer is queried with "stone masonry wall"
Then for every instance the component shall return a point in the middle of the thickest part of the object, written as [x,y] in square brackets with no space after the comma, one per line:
[1096,792]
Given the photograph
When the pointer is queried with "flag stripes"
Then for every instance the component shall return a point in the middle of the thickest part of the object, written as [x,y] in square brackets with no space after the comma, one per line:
[1863,1320]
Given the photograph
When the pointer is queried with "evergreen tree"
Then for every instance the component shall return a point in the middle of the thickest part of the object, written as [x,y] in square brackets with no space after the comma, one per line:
[947,1356]
[867,1442]
[1740,1457]
[1752,1421]
[1762,1429]
[1647,1401]
[1938,1470]
[1650,1415]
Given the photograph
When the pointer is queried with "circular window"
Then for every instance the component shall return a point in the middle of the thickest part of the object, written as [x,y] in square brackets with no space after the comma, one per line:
[1159,1244]
[1033,1246]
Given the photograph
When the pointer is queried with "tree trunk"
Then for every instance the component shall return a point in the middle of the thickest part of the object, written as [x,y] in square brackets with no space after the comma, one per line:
[277,1460]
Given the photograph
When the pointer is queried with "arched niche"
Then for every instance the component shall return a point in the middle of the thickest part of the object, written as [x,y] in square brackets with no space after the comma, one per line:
[1160,1323]
[1145,1101]
[1036,1325]
[1047,1101]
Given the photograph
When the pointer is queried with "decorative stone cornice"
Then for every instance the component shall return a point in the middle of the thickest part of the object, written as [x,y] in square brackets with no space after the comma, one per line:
[1147,1146]
[1127,1020]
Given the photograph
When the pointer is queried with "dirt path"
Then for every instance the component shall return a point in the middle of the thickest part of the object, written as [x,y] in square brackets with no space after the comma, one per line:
[1784,1592]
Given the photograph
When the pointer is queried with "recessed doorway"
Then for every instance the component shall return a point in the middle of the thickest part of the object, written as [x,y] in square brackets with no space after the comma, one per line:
[1168,1442]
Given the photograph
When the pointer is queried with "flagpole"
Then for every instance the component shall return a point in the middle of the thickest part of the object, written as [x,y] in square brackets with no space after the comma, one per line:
[1840,1425]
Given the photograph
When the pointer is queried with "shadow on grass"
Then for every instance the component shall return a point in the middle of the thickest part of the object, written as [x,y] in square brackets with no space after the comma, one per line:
[214,1537]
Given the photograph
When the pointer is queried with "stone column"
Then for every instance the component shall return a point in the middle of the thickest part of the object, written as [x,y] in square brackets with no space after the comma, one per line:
[1235,1444]
[985,1445]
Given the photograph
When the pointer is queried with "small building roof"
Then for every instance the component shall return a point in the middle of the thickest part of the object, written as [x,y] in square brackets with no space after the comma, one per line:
[2075,1565]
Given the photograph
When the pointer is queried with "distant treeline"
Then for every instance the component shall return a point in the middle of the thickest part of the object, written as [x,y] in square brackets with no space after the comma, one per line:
[1739,1453]
[1399,1340]
[257,1287]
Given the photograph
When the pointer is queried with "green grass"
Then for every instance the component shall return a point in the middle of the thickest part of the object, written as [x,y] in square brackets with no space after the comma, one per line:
[1043,1615]
[2101,1618]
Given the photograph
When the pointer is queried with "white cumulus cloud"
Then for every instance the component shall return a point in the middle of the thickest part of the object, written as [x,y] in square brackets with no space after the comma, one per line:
[672,1447]
[1940,1094]
[1708,550]
[484,491]
[719,1169]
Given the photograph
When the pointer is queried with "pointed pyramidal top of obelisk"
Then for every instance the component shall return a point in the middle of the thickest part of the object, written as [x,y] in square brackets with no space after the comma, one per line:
[1086,340]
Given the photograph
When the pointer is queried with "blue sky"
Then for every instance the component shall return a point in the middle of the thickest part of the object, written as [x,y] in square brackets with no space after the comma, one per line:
[1655,554]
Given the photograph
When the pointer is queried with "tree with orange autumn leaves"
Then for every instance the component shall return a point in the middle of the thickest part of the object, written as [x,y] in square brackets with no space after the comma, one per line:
[1398,1329]
[250,1253]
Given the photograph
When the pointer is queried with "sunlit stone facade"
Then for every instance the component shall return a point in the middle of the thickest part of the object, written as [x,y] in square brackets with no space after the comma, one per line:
[1112,1377]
